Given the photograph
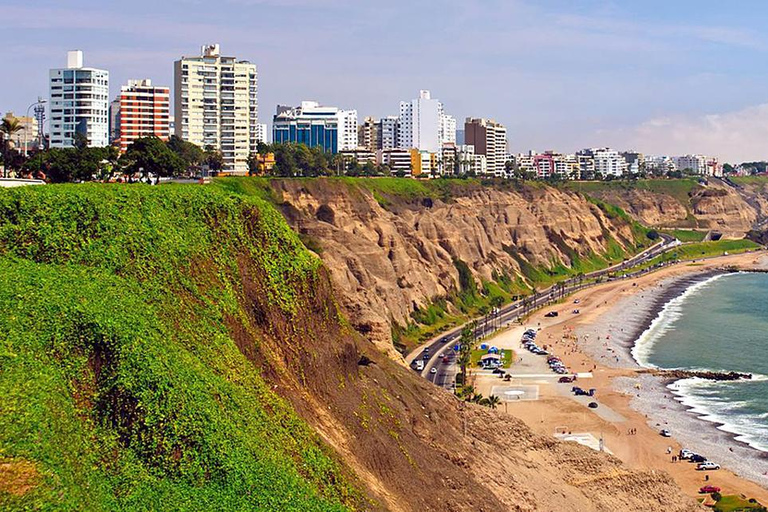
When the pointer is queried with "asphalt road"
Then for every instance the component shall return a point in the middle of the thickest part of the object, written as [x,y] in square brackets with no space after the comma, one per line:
[434,351]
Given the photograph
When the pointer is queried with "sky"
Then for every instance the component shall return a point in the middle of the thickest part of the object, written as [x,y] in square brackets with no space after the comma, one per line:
[657,76]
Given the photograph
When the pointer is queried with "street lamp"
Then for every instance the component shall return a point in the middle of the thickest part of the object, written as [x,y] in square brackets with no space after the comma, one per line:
[40,101]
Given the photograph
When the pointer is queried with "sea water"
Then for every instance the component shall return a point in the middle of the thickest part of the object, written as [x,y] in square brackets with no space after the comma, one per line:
[719,324]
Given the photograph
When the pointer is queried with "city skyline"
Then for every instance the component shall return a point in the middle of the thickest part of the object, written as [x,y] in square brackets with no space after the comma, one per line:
[657,78]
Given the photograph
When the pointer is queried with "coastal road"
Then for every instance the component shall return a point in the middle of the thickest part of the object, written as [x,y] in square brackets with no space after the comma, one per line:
[434,351]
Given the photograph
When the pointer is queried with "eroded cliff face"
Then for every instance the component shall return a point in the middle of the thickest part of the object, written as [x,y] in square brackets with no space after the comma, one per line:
[649,208]
[390,255]
[714,206]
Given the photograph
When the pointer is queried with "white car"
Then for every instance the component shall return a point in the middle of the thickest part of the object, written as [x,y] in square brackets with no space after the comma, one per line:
[433,371]
[707,466]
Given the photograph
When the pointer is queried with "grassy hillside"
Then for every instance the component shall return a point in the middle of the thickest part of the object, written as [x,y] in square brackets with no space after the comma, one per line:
[123,387]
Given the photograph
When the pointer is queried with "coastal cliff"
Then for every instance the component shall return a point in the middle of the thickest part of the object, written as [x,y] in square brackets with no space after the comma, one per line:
[393,251]
[178,348]
[688,203]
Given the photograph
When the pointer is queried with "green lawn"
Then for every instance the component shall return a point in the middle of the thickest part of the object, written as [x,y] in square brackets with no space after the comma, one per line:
[686,235]
[733,503]
[507,356]
[718,248]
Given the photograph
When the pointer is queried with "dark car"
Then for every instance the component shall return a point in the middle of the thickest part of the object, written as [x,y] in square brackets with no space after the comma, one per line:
[566,379]
[592,405]
[551,314]
[698,459]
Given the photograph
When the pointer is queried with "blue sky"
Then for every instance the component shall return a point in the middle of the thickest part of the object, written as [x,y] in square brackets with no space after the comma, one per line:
[672,76]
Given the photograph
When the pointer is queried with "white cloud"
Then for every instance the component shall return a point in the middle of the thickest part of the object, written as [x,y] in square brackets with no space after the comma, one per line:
[736,136]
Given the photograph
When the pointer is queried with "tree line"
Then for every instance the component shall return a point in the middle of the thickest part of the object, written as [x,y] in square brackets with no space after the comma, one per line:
[147,156]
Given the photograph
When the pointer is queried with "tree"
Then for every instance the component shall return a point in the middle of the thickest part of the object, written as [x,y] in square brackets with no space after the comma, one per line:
[8,128]
[466,344]
[493,401]
[496,303]
[192,154]
[214,159]
[150,155]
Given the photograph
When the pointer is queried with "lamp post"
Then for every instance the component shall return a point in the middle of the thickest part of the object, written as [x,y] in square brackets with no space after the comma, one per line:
[40,101]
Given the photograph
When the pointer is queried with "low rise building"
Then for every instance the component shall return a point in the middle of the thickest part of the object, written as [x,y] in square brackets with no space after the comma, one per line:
[329,128]
[397,160]
[27,138]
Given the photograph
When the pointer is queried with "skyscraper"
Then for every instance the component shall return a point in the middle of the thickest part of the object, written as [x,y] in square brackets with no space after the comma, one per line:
[424,125]
[216,105]
[141,110]
[79,103]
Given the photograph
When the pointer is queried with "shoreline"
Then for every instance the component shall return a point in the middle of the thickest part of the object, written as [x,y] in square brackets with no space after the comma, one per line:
[658,396]
[596,344]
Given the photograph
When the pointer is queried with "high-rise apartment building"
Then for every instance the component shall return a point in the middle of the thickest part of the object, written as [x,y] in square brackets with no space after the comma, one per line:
[368,134]
[424,125]
[329,128]
[79,103]
[261,133]
[490,139]
[216,105]
[141,110]
[388,132]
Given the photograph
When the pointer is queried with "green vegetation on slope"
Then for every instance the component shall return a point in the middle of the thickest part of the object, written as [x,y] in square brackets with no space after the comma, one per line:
[680,189]
[701,250]
[122,386]
[686,235]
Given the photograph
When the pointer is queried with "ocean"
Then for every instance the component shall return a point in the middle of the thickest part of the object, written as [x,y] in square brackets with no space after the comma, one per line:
[719,324]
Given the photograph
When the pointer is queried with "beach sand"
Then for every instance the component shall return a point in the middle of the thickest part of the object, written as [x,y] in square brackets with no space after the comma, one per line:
[598,340]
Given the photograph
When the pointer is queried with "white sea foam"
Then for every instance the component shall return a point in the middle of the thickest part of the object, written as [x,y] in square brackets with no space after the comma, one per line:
[747,428]
[665,322]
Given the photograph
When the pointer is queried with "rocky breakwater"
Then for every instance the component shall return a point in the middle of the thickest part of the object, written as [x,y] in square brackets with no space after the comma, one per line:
[699,374]
[392,252]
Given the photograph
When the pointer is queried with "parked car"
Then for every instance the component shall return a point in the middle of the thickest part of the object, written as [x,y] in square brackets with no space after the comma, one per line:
[686,454]
[566,379]
[709,489]
[433,370]
[697,458]
[665,433]
[592,405]
[551,314]
[707,466]
[577,301]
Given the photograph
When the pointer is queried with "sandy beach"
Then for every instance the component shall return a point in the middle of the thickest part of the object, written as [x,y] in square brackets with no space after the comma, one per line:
[597,344]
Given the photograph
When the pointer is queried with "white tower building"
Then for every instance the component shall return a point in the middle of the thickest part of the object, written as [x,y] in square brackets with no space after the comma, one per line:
[216,105]
[79,103]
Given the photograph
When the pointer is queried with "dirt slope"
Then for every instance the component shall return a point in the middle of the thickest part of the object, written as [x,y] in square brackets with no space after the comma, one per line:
[415,447]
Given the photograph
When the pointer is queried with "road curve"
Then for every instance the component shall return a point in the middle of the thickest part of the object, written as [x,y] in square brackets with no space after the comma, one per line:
[445,343]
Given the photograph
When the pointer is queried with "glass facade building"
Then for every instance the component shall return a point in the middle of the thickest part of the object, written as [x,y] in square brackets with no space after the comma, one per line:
[328,128]
[314,134]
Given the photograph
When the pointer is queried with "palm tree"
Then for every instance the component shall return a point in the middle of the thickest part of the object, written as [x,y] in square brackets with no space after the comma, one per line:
[8,128]
[493,401]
